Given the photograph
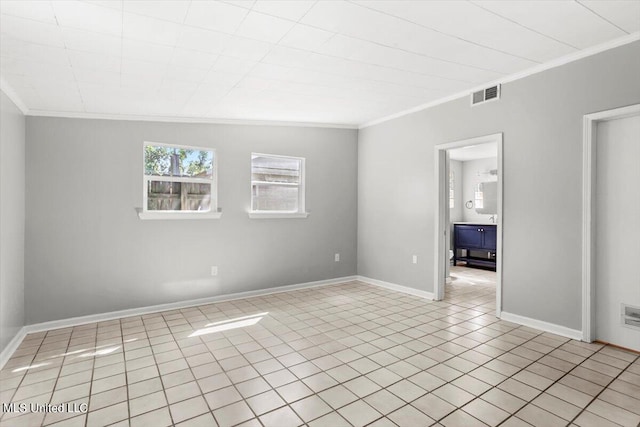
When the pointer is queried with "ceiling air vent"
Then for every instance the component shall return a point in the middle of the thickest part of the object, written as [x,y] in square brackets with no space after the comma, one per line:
[485,95]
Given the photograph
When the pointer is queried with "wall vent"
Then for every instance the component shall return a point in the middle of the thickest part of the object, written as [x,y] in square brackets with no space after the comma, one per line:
[485,95]
[631,316]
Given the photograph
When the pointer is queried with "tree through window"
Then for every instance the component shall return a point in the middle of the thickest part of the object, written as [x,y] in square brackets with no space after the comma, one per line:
[179,178]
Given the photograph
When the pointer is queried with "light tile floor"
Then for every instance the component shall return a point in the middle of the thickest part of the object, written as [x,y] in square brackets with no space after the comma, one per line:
[340,355]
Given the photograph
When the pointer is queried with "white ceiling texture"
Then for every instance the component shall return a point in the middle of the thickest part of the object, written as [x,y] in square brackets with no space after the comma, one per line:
[341,62]
[474,152]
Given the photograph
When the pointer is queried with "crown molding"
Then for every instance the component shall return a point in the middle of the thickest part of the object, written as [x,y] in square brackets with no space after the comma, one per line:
[566,59]
[178,119]
[13,96]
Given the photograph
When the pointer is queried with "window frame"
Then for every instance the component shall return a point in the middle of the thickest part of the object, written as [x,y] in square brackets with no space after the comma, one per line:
[452,189]
[478,197]
[212,213]
[301,212]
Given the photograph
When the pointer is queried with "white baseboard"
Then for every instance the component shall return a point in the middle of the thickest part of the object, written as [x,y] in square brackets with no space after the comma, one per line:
[6,353]
[81,320]
[543,326]
[13,345]
[395,287]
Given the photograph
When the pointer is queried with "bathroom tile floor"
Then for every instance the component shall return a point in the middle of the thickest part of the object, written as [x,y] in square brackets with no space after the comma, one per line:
[339,355]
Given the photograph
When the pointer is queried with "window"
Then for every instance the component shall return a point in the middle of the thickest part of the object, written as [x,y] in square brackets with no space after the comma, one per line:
[179,182]
[452,196]
[277,186]
[479,197]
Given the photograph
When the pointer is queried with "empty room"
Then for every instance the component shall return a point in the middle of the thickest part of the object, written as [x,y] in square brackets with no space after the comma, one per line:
[319,213]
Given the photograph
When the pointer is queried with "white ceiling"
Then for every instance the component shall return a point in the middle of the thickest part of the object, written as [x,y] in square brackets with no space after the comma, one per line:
[474,152]
[345,62]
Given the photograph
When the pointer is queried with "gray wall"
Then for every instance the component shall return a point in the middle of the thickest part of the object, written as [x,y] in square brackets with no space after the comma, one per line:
[12,167]
[87,252]
[541,117]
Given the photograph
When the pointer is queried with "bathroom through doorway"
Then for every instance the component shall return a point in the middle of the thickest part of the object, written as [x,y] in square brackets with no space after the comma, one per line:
[469,220]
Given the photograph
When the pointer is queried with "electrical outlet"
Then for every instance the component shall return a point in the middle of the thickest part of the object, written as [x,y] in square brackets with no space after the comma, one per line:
[336,257]
[415,259]
[214,270]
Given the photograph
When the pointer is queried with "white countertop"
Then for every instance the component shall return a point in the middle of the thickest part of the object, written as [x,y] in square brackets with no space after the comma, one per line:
[475,223]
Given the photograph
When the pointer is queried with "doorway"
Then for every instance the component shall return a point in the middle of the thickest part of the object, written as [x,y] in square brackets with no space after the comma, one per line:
[611,244]
[483,240]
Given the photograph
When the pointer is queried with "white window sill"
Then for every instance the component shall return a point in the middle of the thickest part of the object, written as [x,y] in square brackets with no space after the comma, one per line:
[277,215]
[153,215]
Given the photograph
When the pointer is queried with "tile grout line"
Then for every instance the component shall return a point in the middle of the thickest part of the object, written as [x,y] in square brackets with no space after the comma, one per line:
[606,387]
[21,380]
[511,376]
[558,380]
[2,418]
[493,386]
[183,354]
[202,394]
[379,348]
[453,356]
[157,366]
[126,372]
[554,381]
[546,388]
[440,313]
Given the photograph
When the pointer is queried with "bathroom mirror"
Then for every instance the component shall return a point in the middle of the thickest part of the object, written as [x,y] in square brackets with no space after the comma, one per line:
[486,198]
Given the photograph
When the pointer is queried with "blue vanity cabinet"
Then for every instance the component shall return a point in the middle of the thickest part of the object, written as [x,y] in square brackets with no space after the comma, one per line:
[468,236]
[478,241]
[490,237]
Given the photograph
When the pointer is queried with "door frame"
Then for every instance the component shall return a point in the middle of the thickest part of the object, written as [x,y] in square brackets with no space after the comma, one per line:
[589,144]
[442,226]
